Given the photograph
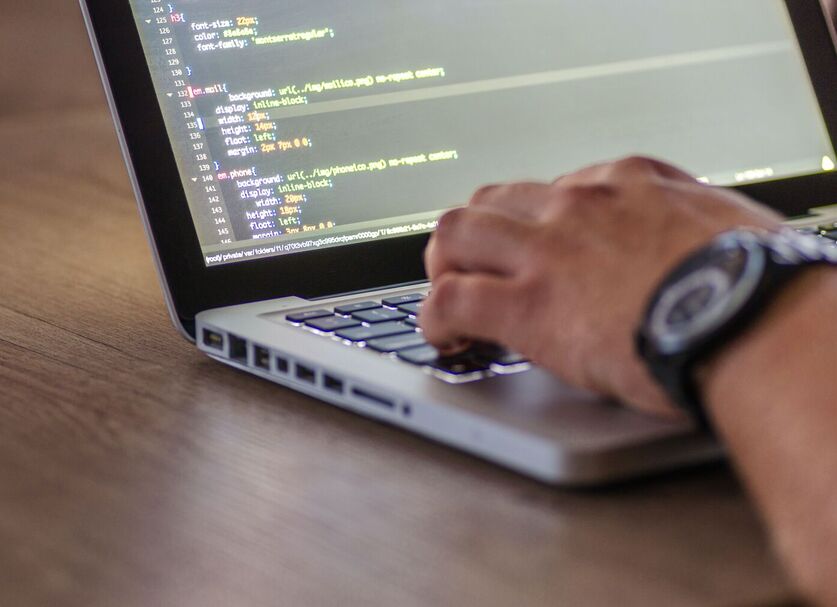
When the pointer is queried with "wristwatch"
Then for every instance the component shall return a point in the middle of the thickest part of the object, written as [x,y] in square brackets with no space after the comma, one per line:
[713,297]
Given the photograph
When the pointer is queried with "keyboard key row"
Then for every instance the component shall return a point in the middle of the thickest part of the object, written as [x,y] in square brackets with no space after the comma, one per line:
[394,302]
[411,308]
[350,309]
[332,324]
[376,331]
[388,345]
[302,317]
[379,315]
[391,327]
[392,308]
[476,361]
[428,356]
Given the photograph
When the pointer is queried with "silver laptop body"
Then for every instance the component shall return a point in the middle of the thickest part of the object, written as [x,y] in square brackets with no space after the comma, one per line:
[603,98]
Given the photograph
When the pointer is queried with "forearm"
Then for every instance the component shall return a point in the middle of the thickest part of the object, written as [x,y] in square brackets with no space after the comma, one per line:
[773,398]
[521,255]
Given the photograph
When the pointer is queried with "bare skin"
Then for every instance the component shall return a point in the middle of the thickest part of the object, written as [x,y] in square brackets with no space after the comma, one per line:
[562,272]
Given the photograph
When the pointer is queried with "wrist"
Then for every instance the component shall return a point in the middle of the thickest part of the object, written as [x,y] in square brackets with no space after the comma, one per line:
[760,361]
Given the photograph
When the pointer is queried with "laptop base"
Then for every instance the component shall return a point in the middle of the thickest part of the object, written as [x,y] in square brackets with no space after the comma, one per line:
[529,422]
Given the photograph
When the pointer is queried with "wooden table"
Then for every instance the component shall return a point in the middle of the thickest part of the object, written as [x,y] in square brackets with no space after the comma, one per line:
[133,471]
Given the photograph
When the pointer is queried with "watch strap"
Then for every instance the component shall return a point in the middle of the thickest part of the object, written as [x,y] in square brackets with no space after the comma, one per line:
[788,256]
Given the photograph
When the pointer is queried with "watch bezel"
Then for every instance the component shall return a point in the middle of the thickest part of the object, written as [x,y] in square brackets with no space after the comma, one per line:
[669,341]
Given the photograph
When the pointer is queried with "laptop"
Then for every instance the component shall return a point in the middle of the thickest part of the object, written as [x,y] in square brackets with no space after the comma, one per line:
[291,160]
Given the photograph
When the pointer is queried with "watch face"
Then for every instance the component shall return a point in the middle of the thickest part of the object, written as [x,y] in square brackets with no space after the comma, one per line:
[706,292]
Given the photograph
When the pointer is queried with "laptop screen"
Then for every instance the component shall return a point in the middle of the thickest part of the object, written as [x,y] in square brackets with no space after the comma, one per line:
[299,125]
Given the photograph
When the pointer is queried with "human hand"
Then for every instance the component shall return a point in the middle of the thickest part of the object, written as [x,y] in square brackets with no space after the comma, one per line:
[562,272]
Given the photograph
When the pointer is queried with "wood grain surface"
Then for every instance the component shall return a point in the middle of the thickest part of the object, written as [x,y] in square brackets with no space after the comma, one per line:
[133,471]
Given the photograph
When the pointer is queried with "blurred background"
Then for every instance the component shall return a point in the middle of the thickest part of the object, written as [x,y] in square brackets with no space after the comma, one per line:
[44,33]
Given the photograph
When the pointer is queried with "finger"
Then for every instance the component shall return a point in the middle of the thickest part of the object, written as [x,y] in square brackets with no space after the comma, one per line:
[524,200]
[631,167]
[469,307]
[471,240]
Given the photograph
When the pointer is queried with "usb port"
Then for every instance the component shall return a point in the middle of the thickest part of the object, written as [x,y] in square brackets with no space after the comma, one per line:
[261,358]
[282,364]
[333,384]
[213,340]
[306,374]
[238,349]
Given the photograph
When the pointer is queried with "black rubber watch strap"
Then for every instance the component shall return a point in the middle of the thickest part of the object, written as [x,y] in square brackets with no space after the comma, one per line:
[676,372]
[679,378]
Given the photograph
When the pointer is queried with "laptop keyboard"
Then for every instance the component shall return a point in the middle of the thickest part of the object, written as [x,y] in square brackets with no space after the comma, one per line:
[389,327]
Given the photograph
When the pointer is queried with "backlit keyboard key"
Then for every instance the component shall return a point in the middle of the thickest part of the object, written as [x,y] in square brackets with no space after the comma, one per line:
[463,365]
[350,309]
[394,302]
[428,356]
[376,331]
[510,359]
[496,355]
[391,327]
[301,317]
[394,344]
[507,363]
[332,324]
[411,308]
[379,315]
[424,355]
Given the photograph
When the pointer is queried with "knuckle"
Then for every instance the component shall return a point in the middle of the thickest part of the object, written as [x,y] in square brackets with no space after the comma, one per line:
[637,169]
[600,192]
[508,191]
[449,224]
[482,195]
[651,188]
[584,200]
[585,174]
[637,164]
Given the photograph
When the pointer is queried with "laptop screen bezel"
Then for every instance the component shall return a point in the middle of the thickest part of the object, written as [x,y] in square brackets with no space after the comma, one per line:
[194,287]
